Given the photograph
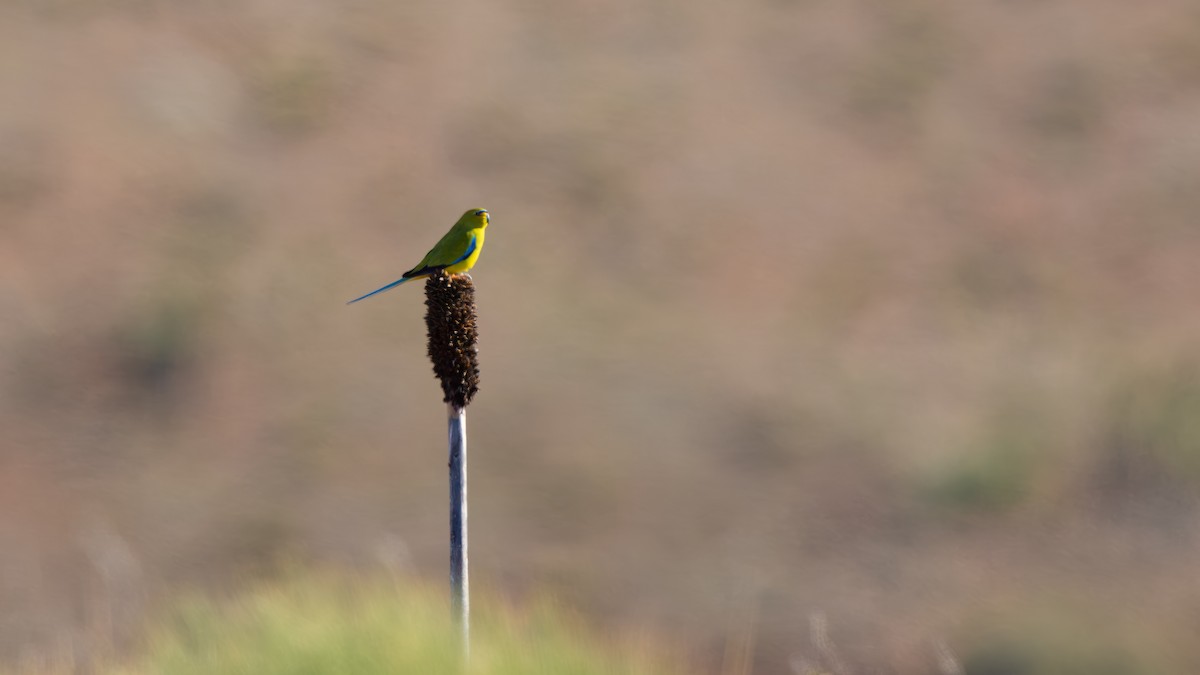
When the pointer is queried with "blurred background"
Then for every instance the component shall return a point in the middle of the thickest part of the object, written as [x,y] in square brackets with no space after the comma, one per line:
[849,336]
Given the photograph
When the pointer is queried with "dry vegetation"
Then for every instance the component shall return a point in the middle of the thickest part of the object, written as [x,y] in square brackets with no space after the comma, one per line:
[874,315]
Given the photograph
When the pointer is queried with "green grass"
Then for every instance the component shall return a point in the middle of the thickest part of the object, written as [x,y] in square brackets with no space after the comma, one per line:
[325,624]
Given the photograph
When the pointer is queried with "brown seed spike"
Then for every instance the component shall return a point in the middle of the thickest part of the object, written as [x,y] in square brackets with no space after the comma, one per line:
[450,318]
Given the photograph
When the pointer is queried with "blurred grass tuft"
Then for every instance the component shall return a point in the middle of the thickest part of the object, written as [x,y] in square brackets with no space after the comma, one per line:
[322,623]
[1033,643]
[997,473]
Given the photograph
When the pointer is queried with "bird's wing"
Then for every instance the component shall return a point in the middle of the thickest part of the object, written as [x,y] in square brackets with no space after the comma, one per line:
[428,266]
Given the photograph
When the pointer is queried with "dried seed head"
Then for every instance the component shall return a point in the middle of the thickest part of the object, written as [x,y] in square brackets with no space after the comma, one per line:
[450,318]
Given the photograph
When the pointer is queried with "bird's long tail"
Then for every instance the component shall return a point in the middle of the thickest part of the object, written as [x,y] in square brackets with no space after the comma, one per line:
[385,288]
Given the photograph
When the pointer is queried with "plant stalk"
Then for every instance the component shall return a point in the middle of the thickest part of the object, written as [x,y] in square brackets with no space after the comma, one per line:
[460,595]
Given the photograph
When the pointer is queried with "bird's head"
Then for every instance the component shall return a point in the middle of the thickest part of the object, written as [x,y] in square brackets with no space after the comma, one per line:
[475,218]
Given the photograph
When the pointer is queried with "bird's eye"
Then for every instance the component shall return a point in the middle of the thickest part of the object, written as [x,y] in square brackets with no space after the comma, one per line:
[480,212]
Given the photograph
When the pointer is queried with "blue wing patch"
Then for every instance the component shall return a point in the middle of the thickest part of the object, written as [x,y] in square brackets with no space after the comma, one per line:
[470,250]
